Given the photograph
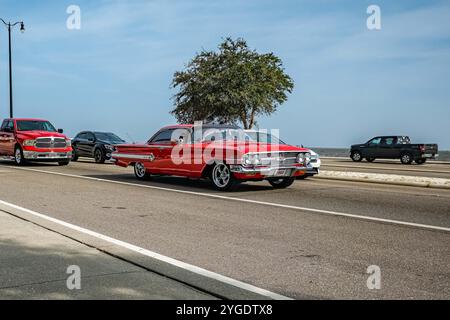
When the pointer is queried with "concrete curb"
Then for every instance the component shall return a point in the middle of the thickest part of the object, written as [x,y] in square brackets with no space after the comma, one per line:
[390,179]
[396,161]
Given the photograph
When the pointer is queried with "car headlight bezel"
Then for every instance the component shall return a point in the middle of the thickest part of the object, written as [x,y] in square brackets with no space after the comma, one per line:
[304,158]
[29,143]
[109,147]
[251,160]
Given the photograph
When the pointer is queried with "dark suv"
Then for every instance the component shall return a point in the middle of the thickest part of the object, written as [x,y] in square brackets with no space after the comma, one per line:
[394,147]
[97,145]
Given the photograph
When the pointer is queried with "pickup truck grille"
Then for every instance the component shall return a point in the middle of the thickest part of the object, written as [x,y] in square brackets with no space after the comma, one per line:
[50,143]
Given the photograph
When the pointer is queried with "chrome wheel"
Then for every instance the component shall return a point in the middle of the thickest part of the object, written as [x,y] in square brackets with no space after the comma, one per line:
[18,156]
[221,175]
[140,171]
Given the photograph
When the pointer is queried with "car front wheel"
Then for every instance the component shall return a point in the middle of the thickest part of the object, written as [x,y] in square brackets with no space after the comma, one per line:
[406,158]
[281,183]
[18,156]
[99,156]
[222,178]
[356,156]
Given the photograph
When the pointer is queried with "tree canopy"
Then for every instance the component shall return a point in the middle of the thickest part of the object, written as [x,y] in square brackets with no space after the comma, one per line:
[231,85]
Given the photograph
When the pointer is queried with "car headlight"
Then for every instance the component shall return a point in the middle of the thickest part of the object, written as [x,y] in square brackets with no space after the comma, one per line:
[304,158]
[109,148]
[251,160]
[29,143]
[68,142]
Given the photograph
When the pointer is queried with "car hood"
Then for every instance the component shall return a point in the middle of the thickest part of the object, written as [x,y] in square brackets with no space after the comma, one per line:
[39,134]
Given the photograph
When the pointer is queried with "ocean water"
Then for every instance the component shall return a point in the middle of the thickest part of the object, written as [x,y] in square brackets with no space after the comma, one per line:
[343,152]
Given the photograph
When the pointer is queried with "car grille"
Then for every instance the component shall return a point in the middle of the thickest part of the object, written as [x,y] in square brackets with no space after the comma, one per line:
[50,143]
[282,158]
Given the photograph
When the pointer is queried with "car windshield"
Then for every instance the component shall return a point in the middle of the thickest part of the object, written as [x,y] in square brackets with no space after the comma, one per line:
[29,125]
[108,137]
[264,137]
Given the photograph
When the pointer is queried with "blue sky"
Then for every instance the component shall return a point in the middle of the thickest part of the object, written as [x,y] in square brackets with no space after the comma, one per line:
[351,83]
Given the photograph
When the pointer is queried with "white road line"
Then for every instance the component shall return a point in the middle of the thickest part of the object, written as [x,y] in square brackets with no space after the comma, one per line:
[263,203]
[151,254]
[382,168]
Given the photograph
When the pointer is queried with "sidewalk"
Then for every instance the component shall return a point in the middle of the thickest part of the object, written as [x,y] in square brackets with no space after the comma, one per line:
[34,262]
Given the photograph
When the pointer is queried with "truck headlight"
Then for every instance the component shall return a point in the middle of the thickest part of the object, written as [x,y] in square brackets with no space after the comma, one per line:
[68,142]
[29,143]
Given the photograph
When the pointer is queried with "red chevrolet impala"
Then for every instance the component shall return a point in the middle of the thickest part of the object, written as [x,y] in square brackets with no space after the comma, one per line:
[224,154]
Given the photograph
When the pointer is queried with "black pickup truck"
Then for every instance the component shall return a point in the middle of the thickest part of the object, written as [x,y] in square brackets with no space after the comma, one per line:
[394,147]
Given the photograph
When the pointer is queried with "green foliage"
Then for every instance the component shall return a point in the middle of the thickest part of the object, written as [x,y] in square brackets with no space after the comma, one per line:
[233,85]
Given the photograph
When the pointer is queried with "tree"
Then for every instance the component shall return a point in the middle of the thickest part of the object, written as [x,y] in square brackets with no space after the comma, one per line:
[233,85]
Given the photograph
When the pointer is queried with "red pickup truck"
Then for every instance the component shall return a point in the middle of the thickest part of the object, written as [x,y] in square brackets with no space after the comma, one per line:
[25,140]
[224,154]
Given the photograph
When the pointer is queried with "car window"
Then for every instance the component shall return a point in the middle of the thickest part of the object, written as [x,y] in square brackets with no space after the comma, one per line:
[375,142]
[3,125]
[164,137]
[81,136]
[389,141]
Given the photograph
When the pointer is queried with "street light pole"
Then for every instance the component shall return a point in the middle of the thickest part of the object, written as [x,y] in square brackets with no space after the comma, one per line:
[22,29]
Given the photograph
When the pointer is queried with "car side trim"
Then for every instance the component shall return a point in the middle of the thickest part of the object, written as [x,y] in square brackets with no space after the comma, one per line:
[150,157]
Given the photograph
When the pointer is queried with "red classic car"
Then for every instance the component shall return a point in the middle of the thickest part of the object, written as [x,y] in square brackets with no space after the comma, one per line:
[25,140]
[224,154]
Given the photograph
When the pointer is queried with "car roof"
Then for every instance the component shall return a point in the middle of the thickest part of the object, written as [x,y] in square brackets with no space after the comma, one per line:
[207,126]
[26,119]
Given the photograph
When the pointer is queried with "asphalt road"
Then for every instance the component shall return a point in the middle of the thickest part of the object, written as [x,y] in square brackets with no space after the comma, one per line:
[267,240]
[429,169]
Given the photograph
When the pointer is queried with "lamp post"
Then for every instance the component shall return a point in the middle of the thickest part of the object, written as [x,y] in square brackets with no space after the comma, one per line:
[10,25]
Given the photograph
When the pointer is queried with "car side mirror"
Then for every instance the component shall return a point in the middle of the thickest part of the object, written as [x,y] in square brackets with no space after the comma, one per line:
[60,131]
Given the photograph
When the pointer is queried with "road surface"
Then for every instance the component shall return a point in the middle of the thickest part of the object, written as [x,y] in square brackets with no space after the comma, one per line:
[314,240]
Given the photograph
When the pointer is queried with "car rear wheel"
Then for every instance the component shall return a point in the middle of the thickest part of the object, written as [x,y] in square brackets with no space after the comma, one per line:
[356,156]
[421,161]
[406,158]
[18,156]
[140,171]
[370,159]
[99,157]
[282,183]
[222,178]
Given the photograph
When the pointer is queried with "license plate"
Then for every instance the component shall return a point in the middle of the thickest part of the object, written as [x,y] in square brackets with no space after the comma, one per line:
[282,173]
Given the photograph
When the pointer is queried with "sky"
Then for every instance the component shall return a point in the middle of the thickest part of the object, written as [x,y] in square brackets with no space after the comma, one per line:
[351,83]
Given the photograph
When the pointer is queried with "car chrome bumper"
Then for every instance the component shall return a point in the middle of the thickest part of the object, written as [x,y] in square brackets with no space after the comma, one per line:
[268,171]
[35,155]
